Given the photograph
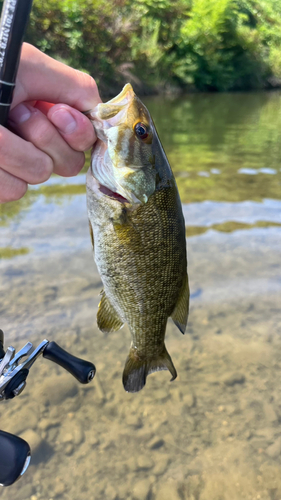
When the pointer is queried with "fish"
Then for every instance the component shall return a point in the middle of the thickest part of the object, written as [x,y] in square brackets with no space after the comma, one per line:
[138,234]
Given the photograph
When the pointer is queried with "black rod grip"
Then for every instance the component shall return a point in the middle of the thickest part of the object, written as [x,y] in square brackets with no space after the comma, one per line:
[14,456]
[14,19]
[83,371]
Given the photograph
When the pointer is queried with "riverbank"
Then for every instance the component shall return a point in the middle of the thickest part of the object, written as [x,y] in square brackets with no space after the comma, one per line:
[211,45]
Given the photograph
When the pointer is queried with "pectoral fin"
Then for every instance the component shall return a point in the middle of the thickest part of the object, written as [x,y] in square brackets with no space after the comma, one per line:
[137,368]
[180,313]
[92,235]
[107,318]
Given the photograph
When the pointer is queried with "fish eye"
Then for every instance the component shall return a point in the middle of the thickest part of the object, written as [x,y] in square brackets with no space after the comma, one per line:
[141,130]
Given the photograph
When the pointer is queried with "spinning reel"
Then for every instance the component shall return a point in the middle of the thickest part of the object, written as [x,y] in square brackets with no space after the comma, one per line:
[14,369]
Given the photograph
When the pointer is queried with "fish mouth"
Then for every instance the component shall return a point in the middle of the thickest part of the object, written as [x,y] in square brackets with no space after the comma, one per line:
[105,181]
[108,114]
[111,194]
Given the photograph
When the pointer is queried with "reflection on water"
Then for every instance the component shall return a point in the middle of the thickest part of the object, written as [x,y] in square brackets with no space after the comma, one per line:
[214,433]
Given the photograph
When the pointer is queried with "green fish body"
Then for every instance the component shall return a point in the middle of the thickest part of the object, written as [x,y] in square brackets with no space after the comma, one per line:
[138,234]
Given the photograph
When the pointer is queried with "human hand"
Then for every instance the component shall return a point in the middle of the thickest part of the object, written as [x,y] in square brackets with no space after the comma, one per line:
[45,138]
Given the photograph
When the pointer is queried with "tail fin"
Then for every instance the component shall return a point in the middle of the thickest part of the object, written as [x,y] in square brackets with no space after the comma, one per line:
[137,369]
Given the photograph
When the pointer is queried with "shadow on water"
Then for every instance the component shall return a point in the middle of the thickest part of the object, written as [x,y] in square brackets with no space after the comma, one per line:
[212,434]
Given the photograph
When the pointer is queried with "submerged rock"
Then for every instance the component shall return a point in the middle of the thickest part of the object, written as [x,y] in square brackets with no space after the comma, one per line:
[168,491]
[274,449]
[141,490]
[234,378]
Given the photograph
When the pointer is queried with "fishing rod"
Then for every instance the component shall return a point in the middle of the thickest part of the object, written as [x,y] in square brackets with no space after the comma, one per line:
[14,367]
[13,23]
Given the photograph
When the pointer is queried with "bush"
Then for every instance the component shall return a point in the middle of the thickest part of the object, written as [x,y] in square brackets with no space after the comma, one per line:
[162,44]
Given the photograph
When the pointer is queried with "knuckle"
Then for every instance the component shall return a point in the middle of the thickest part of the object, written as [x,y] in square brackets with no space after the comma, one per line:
[72,168]
[88,82]
[42,134]
[84,143]
[14,191]
[79,165]
[43,170]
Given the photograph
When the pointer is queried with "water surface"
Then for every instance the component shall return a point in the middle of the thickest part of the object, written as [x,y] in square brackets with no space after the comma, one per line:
[215,432]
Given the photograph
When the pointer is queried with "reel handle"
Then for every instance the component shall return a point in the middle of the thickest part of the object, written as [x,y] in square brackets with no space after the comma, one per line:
[83,371]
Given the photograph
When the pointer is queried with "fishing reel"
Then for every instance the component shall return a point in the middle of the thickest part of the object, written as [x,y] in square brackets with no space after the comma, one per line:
[14,368]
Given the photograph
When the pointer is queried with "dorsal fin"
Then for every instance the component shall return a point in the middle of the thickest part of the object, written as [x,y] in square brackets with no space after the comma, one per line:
[107,318]
[180,313]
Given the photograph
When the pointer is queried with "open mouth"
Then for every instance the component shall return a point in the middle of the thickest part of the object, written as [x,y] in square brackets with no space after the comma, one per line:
[111,194]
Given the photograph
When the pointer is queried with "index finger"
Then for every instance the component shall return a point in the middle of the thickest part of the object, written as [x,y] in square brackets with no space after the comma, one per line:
[41,77]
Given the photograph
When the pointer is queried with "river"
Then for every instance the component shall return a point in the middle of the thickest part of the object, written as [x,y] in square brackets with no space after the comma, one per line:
[215,432]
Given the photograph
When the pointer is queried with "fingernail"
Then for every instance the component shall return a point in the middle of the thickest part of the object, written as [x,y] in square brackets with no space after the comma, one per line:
[64,121]
[20,114]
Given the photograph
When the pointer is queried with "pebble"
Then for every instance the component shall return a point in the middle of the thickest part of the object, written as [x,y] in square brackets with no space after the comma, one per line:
[134,421]
[46,423]
[266,432]
[67,437]
[274,449]
[78,435]
[161,464]
[155,443]
[167,491]
[189,400]
[141,490]
[230,409]
[176,394]
[52,434]
[234,378]
[93,440]
[58,489]
[110,492]
[144,462]
[71,432]
[68,450]
[33,439]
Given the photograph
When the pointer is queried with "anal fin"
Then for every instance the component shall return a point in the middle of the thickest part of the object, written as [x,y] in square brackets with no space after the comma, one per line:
[107,318]
[180,313]
[137,368]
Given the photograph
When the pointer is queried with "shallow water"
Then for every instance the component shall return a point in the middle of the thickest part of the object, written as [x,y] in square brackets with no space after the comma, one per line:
[215,432]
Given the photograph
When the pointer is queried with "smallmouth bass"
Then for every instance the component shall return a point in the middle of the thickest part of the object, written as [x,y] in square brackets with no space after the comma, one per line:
[138,234]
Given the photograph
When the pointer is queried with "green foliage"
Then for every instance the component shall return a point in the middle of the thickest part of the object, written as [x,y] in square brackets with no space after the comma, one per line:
[162,44]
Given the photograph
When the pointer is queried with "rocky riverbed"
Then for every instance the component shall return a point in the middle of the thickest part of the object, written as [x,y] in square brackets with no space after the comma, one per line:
[214,433]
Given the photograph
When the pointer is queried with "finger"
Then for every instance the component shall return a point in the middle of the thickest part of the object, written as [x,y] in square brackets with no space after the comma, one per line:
[32,125]
[12,188]
[55,82]
[22,159]
[74,127]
